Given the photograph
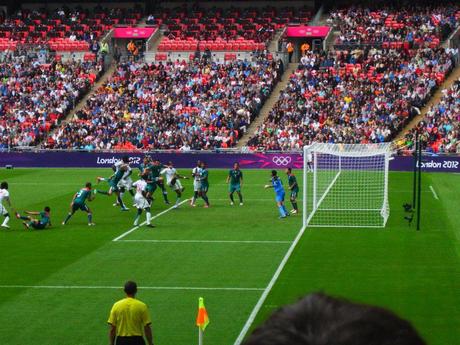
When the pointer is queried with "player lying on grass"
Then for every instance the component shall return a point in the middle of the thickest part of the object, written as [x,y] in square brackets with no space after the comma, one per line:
[277,185]
[172,180]
[34,223]
[294,188]
[79,203]
[5,196]
[113,182]
[235,177]
[141,202]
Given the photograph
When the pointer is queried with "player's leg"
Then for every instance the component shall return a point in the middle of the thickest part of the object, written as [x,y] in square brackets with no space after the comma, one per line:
[5,214]
[89,215]
[73,208]
[240,196]
[177,187]
[138,216]
[230,195]
[148,216]
[204,196]
[120,201]
[281,208]
[196,192]
[163,191]
[18,216]
[293,200]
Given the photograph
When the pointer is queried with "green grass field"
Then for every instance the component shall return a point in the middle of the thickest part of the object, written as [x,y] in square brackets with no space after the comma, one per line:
[58,285]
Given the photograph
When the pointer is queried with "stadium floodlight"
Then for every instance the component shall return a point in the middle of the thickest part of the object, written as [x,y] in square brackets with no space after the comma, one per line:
[346,185]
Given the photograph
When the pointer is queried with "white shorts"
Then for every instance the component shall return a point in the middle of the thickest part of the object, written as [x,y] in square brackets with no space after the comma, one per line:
[3,210]
[176,186]
[125,183]
[196,186]
[140,202]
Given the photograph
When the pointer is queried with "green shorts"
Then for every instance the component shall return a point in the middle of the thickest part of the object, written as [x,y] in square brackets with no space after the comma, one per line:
[234,188]
[37,225]
[151,187]
[113,185]
[204,187]
[78,206]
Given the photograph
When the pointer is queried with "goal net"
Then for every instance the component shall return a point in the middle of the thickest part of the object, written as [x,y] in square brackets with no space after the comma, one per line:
[346,185]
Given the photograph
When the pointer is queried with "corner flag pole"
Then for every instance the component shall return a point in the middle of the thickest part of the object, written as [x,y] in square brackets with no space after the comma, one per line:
[202,320]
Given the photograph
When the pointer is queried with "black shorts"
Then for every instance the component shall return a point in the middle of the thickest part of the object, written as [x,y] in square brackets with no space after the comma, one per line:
[135,340]
[37,225]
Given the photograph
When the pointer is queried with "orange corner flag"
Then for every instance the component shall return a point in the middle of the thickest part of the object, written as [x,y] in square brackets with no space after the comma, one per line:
[202,319]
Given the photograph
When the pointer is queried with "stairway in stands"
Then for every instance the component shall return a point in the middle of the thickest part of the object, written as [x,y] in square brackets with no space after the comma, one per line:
[269,103]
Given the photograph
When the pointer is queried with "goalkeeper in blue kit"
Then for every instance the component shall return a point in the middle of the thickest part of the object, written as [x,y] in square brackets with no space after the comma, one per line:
[277,185]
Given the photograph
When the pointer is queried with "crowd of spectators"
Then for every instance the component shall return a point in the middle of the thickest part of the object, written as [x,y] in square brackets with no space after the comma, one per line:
[412,24]
[35,96]
[440,129]
[352,97]
[75,24]
[175,105]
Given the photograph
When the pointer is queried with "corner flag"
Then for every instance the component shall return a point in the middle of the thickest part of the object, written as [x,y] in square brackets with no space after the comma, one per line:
[202,319]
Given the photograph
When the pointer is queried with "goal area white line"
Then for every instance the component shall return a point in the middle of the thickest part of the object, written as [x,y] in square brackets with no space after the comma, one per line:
[126,233]
[208,241]
[101,287]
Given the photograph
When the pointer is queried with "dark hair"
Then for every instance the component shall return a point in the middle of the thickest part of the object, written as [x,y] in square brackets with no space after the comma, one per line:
[125,159]
[4,185]
[289,169]
[88,185]
[319,319]
[274,173]
[130,287]
[47,209]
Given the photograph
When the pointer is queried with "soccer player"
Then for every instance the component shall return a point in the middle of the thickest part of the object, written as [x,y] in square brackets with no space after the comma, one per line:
[277,185]
[172,180]
[5,196]
[309,162]
[235,177]
[204,174]
[141,202]
[126,183]
[113,183]
[38,224]
[79,203]
[156,168]
[196,174]
[294,188]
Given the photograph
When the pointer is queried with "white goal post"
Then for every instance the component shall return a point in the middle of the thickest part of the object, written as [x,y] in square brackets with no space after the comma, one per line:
[346,185]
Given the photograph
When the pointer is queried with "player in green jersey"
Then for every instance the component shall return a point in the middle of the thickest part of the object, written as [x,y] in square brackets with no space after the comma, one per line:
[38,224]
[113,182]
[79,203]
[294,188]
[204,177]
[156,168]
[235,177]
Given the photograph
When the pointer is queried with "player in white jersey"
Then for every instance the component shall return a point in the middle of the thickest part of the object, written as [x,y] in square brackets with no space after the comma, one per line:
[309,162]
[4,196]
[196,174]
[141,202]
[172,180]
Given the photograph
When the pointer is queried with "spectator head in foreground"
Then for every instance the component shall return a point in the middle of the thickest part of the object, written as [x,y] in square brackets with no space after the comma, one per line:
[318,319]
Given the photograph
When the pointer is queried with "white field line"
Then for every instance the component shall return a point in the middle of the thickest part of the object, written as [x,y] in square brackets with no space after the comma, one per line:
[209,241]
[100,287]
[434,192]
[143,223]
[267,290]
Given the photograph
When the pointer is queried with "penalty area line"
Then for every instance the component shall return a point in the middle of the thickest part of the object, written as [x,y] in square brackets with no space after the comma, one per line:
[434,193]
[100,287]
[209,241]
[143,223]
[267,290]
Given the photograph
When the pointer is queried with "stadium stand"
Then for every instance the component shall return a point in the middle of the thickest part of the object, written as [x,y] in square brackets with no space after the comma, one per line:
[440,129]
[34,97]
[172,105]
[63,29]
[234,29]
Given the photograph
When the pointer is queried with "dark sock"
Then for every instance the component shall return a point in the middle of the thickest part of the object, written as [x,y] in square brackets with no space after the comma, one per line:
[131,192]
[90,217]
[24,218]
[231,198]
[120,201]
[165,196]
[294,204]
[206,200]
[68,217]
[241,197]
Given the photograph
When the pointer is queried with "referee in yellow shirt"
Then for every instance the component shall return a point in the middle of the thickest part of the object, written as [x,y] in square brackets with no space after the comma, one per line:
[129,320]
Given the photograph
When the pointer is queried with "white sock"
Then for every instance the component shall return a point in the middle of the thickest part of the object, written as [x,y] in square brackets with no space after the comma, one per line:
[136,221]
[149,217]
[7,219]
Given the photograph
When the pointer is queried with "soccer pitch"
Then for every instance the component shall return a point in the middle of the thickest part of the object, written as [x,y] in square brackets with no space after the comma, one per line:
[58,285]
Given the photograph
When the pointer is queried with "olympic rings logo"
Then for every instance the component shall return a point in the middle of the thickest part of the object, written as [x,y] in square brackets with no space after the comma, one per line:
[281,160]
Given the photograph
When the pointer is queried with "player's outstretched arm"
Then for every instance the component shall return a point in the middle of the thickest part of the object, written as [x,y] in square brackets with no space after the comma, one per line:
[268,186]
